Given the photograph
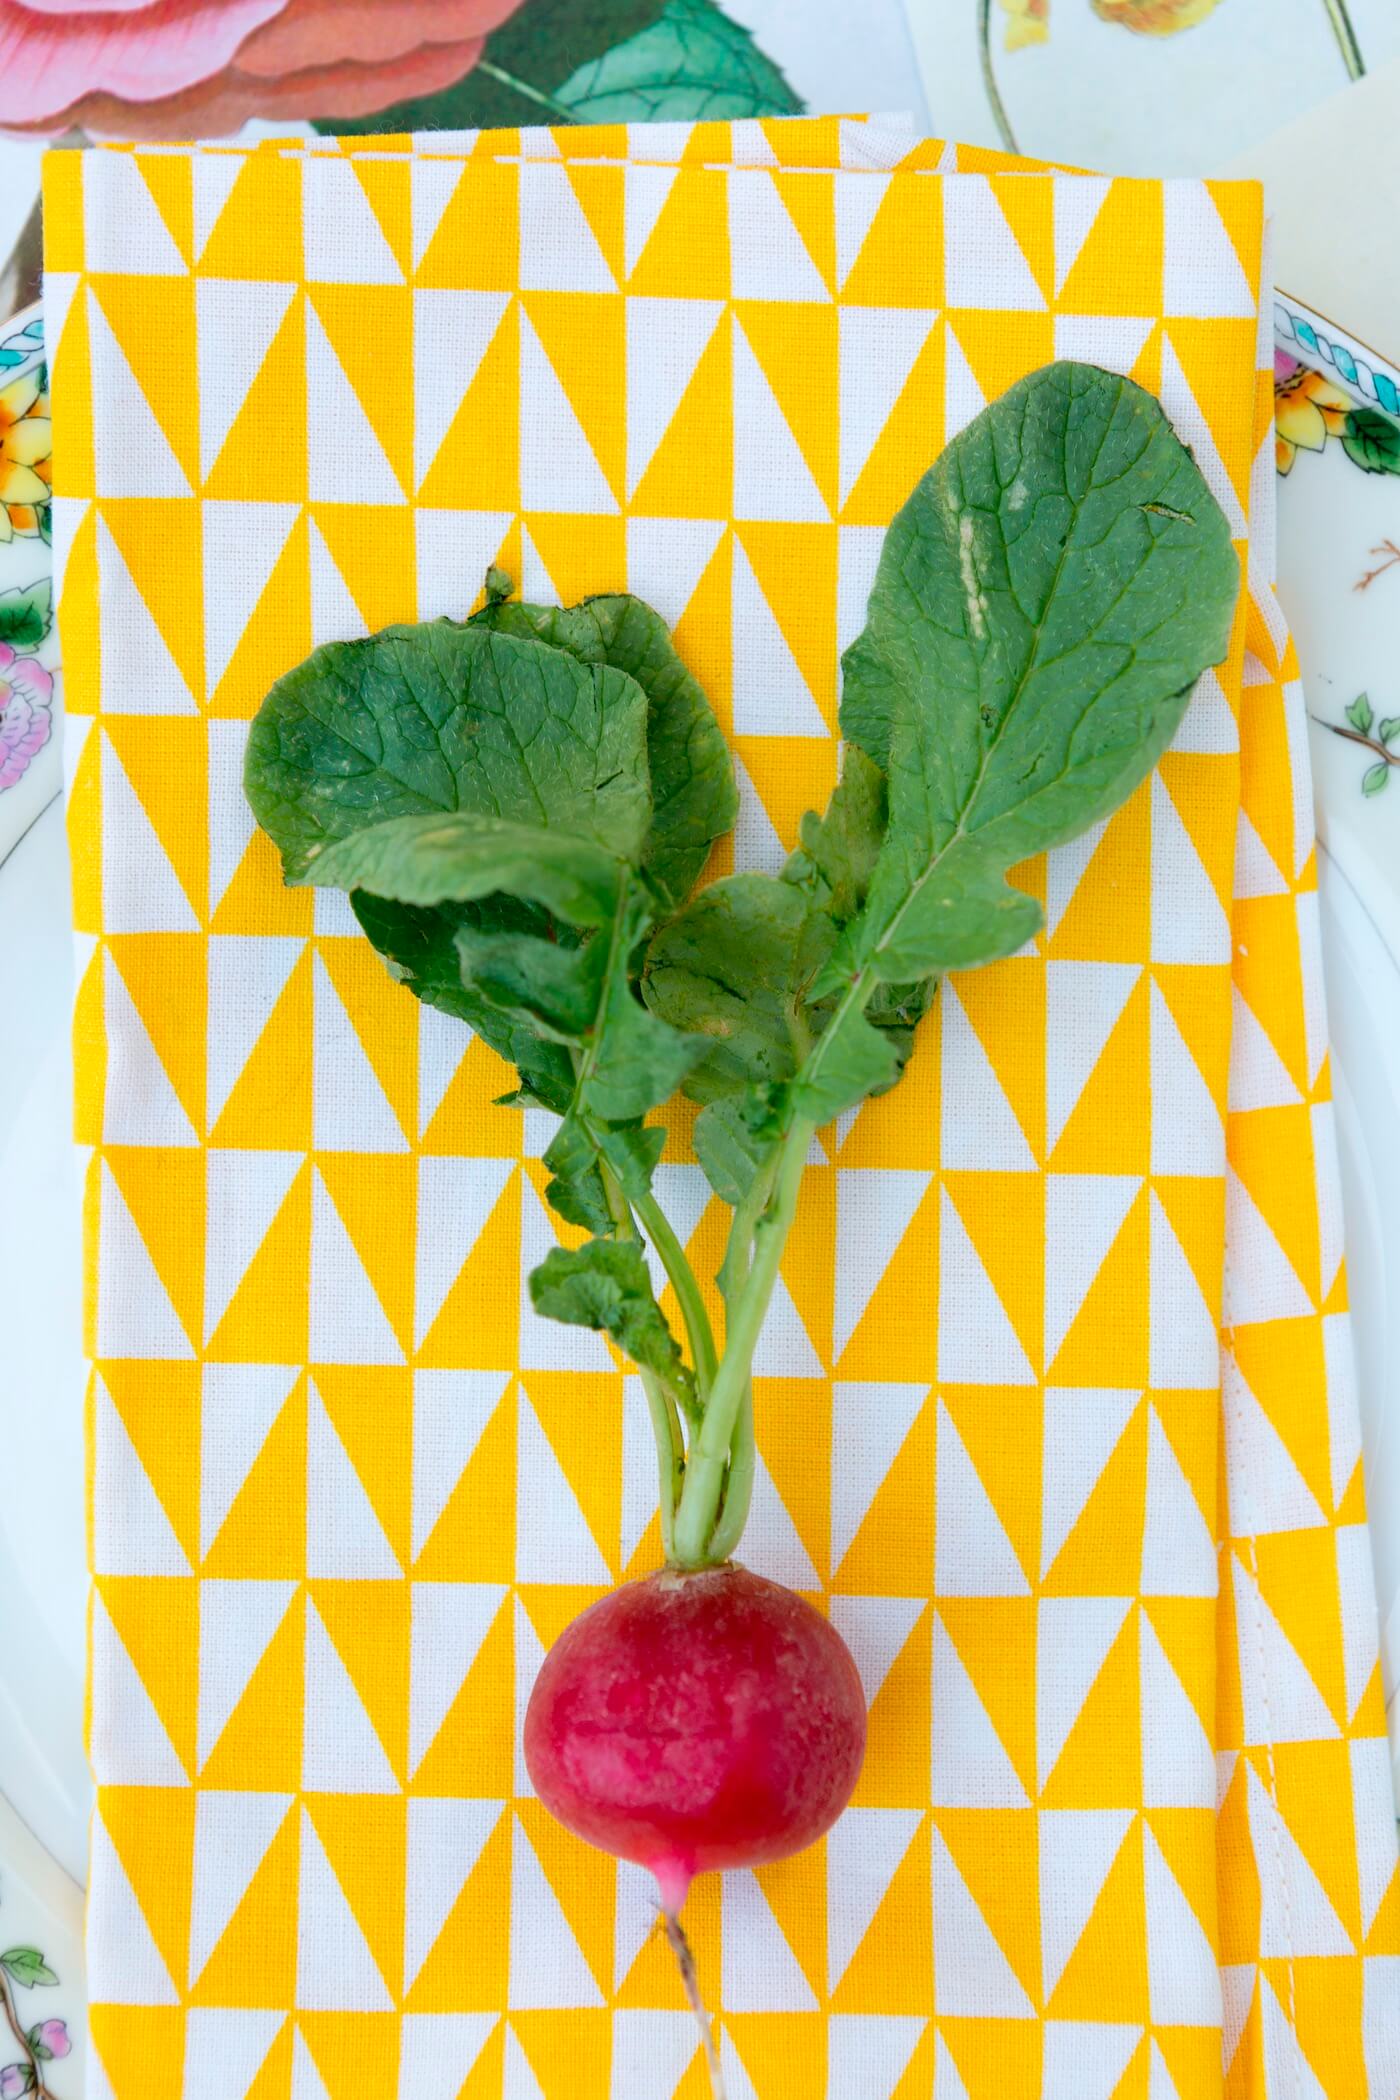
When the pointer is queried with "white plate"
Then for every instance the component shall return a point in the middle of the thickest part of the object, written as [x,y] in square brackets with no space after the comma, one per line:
[1332,514]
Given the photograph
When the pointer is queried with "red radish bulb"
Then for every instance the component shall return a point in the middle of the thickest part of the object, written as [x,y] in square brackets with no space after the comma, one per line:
[697,1720]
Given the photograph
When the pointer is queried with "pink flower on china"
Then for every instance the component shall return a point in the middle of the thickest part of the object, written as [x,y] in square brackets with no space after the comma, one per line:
[54,2036]
[26,723]
[200,68]
[14,2080]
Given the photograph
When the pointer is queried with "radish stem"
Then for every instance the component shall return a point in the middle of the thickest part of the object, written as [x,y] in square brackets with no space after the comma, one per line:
[683,1283]
[665,1420]
[685,1962]
[705,1469]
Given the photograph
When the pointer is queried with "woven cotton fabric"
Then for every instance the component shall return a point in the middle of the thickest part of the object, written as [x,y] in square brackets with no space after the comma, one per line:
[1054,1406]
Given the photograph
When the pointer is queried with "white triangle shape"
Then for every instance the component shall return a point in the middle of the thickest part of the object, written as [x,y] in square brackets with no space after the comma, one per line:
[140,1106]
[341,1752]
[1065,867]
[875,1207]
[772,1543]
[640,1488]
[1074,1637]
[529,1659]
[446,1838]
[666,557]
[124,1965]
[1256,873]
[644,196]
[737,2083]
[1077,1849]
[129,1744]
[856,207]
[1356,1585]
[242,545]
[771,696]
[1188,1136]
[972,1979]
[1183,1980]
[132,455]
[1267,1491]
[247,976]
[139,675]
[947,2078]
[1258,1075]
[348,1325]
[1373,1800]
[450,1622]
[345,462]
[547,1345]
[1282,2050]
[760,1972]
[876,1630]
[537,586]
[1281,1702]
[558,249]
[985,263]
[1082,1428]
[437,2050]
[134,1314]
[784,1348]
[307,2082]
[857,560]
[519,2082]
[1083,1216]
[1295,1909]
[1077,204]
[335,617]
[979,1130]
[342,240]
[231,820]
[977,1344]
[454,548]
[141,893]
[879,347]
[864,1851]
[666,338]
[450,1411]
[1184,1342]
[225,2050]
[1237,1982]
[973,1557]
[336,1972]
[214,175]
[432,185]
[233,1833]
[1201,273]
[131,1534]
[547,1965]
[452,332]
[350,1111]
[651,2051]
[970,1766]
[1260,1281]
[442,1044]
[756,843]
[868,2053]
[456,1196]
[1087,2058]
[869,1423]
[244,1191]
[237,1622]
[553,1540]
[771,478]
[1208,724]
[240,1403]
[235,323]
[768,258]
[559,469]
[1188,920]
[1178,1764]
[344,1537]
[1084,1003]
[1178,1550]
[1192,428]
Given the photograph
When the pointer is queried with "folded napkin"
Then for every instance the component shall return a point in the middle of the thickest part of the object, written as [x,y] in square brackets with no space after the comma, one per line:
[1067,1309]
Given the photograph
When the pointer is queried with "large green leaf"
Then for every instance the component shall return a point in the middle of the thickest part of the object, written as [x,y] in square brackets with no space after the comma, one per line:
[1044,604]
[433,718]
[461,857]
[599,62]
[694,798]
[605,1285]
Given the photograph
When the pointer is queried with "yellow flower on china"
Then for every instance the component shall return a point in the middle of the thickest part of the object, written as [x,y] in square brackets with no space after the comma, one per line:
[1154,17]
[1028,22]
[1307,409]
[26,443]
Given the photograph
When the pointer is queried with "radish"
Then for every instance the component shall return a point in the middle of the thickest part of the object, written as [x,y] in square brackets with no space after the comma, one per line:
[520,807]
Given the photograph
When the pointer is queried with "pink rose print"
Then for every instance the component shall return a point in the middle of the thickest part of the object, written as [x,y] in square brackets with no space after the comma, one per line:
[26,723]
[54,2036]
[14,2080]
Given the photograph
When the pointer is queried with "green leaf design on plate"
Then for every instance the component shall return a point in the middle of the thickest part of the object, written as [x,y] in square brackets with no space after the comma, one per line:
[1375,778]
[1388,727]
[1044,604]
[1372,441]
[1359,714]
[27,1966]
[599,62]
[26,615]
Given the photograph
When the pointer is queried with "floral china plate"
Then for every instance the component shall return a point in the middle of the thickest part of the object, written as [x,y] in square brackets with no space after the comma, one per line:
[1339,578]
[29,768]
